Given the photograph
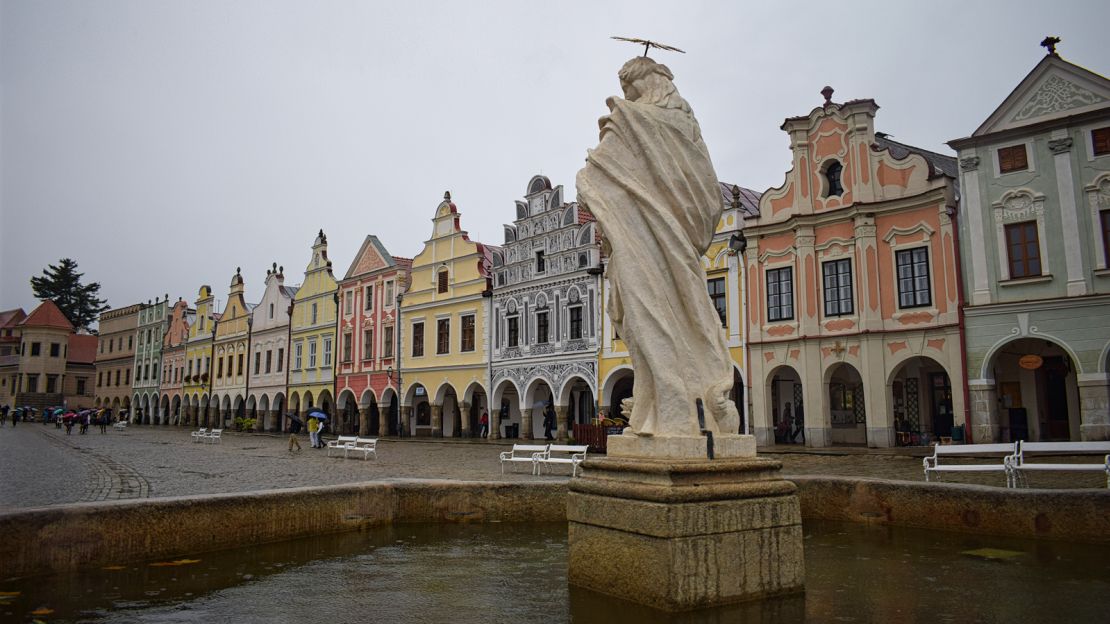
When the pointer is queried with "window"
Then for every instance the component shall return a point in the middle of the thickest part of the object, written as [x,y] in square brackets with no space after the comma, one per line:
[297,349]
[369,298]
[1012,158]
[207,364]
[146,371]
[838,287]
[117,376]
[258,362]
[443,336]
[1100,141]
[155,369]
[269,360]
[717,296]
[111,345]
[346,347]
[541,327]
[833,187]
[99,378]
[417,339]
[127,377]
[327,351]
[1023,249]
[442,281]
[81,386]
[36,349]
[312,354]
[388,294]
[514,330]
[314,314]
[541,266]
[271,310]
[281,359]
[51,384]
[190,373]
[387,342]
[55,349]
[367,344]
[576,323]
[348,302]
[33,383]
[780,294]
[913,277]
[130,342]
[219,368]
[231,365]
[1104,216]
[467,333]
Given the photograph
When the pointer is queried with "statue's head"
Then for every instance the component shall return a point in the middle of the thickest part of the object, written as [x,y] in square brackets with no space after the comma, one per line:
[648,82]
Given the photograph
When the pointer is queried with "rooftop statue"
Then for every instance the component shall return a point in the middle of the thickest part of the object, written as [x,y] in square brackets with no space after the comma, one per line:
[651,185]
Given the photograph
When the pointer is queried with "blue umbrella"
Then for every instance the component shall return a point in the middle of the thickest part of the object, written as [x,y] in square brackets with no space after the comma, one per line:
[317,414]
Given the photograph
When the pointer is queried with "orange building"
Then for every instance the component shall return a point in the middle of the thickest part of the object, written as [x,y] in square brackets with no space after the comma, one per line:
[853,322]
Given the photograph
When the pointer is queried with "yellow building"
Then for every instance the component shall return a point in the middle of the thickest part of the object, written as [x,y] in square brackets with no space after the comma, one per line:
[312,335]
[229,355]
[724,283]
[444,340]
[197,389]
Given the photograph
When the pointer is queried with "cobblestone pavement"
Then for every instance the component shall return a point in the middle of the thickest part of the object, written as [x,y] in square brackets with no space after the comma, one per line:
[41,465]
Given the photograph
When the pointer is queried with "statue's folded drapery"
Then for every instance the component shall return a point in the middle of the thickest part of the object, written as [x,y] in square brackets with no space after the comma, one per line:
[652,187]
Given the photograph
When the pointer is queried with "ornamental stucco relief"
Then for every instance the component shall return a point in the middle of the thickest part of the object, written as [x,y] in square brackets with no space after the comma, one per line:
[1056,94]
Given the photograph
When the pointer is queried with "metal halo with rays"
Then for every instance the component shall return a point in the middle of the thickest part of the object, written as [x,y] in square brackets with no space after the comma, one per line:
[648,45]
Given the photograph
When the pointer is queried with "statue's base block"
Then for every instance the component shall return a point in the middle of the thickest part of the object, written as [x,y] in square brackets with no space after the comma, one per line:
[679,535]
[675,447]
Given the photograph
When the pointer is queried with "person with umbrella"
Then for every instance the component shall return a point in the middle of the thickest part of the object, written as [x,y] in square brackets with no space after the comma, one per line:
[294,427]
[58,417]
[315,419]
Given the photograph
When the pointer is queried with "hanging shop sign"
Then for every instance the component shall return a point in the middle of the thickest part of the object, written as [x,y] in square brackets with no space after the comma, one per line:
[1030,362]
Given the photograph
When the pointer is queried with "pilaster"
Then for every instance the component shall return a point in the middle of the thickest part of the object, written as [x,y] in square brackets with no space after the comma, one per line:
[1094,407]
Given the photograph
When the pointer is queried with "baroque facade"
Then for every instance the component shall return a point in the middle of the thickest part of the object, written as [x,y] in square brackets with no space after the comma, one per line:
[180,316]
[312,335]
[854,328]
[368,367]
[545,319]
[444,319]
[198,362]
[230,346]
[146,387]
[1035,243]
[269,345]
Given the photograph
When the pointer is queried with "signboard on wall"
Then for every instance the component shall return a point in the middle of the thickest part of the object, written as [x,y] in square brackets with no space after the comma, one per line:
[1030,362]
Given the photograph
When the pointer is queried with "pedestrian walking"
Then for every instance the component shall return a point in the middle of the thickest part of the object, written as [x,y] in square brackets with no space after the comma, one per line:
[102,420]
[294,429]
[799,425]
[3,414]
[484,421]
[548,421]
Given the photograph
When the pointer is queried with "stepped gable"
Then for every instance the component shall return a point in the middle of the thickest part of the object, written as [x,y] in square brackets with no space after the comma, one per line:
[47,315]
[82,349]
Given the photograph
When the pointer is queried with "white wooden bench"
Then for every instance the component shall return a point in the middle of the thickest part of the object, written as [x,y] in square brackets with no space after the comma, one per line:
[213,436]
[121,425]
[366,446]
[1019,464]
[993,451]
[340,444]
[199,434]
[522,453]
[561,454]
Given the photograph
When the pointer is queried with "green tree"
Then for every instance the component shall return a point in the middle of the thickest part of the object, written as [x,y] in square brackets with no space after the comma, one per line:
[62,284]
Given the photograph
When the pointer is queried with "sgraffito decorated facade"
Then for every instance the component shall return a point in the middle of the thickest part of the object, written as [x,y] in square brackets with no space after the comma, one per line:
[180,316]
[546,327]
[146,386]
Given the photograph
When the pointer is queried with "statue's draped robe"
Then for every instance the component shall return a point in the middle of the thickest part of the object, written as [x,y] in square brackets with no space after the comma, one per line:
[652,187]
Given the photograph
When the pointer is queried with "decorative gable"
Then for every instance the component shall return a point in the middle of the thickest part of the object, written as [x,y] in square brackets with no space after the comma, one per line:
[1054,89]
[371,257]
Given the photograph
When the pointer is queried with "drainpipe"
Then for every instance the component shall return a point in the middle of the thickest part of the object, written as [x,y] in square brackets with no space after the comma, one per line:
[953,212]
[211,377]
[250,335]
[288,354]
[488,294]
[335,356]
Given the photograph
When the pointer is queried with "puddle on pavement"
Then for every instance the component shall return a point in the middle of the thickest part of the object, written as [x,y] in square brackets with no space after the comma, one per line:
[517,573]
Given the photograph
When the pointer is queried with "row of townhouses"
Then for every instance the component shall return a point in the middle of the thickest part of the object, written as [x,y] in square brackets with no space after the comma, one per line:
[882,295]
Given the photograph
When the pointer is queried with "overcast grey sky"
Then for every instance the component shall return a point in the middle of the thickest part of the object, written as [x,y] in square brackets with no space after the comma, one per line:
[161,144]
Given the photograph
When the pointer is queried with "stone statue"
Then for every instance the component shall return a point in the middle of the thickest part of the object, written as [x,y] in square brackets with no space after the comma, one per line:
[652,187]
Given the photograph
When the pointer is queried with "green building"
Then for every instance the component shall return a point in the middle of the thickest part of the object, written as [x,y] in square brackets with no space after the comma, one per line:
[1034,226]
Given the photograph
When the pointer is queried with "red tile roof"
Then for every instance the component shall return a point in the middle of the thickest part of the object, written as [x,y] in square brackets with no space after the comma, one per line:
[11,318]
[47,315]
[82,349]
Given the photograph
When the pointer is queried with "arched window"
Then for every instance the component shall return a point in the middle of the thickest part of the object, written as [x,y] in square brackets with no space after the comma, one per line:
[833,188]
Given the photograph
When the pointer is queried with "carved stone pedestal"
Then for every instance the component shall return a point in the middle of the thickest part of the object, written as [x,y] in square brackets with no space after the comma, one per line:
[688,534]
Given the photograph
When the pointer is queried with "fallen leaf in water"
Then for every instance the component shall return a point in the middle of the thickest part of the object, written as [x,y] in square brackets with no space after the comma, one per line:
[178,562]
[9,593]
[42,611]
[114,568]
[5,602]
